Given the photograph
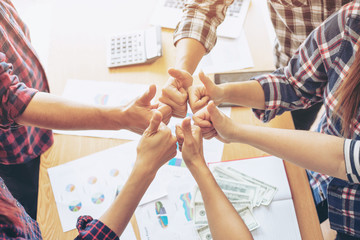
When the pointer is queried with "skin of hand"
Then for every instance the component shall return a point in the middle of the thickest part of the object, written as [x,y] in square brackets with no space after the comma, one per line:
[204,119]
[139,111]
[174,93]
[220,213]
[199,95]
[156,146]
[190,142]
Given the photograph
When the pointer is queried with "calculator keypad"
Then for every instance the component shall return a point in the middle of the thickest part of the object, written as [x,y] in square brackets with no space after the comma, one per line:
[127,49]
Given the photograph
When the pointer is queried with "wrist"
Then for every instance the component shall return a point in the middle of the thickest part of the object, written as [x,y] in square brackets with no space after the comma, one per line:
[224,92]
[198,162]
[147,173]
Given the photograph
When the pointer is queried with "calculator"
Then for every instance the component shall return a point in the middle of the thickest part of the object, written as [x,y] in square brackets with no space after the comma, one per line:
[138,47]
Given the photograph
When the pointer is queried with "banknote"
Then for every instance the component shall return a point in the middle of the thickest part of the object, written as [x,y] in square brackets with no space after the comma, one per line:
[269,192]
[219,172]
[236,186]
[204,233]
[231,195]
[200,213]
[248,218]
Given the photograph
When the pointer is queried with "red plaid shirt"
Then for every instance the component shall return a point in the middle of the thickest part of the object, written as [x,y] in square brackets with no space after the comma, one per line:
[21,76]
[88,227]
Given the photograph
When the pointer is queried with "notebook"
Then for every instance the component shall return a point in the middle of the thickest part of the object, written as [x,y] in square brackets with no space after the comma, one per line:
[168,13]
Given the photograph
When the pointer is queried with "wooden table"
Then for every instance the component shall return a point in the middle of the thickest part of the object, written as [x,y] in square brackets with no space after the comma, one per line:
[78,38]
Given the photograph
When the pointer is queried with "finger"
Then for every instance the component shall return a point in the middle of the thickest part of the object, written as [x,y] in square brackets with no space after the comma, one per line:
[210,134]
[186,128]
[183,77]
[177,96]
[179,136]
[215,114]
[197,98]
[165,110]
[154,124]
[205,80]
[201,121]
[148,95]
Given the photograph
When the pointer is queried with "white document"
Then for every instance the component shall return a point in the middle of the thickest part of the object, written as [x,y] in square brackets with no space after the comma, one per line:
[105,94]
[88,186]
[227,55]
[170,217]
[278,220]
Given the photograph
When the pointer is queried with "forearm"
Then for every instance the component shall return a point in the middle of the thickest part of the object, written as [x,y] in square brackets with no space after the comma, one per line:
[311,150]
[53,112]
[248,94]
[224,221]
[120,212]
[188,54]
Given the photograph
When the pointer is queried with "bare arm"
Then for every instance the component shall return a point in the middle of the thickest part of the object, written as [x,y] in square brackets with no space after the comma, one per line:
[318,152]
[224,221]
[53,112]
[156,147]
[188,54]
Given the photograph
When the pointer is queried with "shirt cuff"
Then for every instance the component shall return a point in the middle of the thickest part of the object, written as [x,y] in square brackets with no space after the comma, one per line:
[352,160]
[272,105]
[90,228]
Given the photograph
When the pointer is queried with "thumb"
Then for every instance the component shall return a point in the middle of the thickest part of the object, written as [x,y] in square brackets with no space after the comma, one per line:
[154,124]
[205,80]
[186,128]
[215,114]
[148,95]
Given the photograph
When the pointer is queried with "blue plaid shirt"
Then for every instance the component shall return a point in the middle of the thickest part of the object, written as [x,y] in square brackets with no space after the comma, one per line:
[313,75]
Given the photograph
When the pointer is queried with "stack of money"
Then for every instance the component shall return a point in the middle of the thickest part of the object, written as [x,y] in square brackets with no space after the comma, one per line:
[244,193]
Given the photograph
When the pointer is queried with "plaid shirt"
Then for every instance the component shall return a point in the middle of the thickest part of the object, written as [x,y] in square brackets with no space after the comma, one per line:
[88,228]
[313,75]
[293,21]
[20,74]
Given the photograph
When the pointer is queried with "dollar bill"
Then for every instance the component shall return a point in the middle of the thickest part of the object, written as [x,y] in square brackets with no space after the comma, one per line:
[200,217]
[204,233]
[248,218]
[240,187]
[232,196]
[219,172]
[269,192]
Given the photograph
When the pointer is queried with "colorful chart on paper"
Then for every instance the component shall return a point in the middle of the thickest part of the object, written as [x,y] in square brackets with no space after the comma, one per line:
[186,199]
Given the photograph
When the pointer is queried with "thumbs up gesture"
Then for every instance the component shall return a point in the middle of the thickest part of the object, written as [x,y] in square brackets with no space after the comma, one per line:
[200,95]
[137,113]
[157,145]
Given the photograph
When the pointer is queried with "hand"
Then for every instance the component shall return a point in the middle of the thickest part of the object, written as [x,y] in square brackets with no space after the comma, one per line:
[200,95]
[174,92]
[226,129]
[139,111]
[156,146]
[205,120]
[190,142]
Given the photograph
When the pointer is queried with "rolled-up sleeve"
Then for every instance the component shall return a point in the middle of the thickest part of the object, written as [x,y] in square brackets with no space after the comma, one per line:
[15,95]
[302,82]
[200,20]
[352,160]
[90,229]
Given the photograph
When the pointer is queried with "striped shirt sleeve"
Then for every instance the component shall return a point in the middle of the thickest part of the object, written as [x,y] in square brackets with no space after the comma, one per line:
[352,160]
